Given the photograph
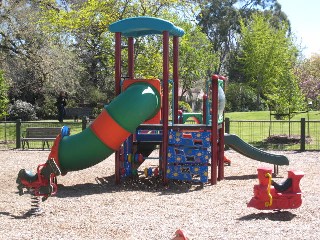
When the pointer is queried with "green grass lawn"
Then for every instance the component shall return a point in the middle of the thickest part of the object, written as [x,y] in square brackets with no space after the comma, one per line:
[252,132]
[8,130]
[265,115]
[249,127]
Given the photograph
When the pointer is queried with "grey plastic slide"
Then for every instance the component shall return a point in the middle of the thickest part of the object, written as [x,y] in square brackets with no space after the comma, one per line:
[252,152]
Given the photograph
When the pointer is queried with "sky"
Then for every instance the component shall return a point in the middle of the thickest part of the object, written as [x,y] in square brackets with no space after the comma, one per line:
[304,16]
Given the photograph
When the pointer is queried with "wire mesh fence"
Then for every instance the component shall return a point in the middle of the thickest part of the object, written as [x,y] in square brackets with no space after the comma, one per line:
[9,139]
[7,134]
[276,135]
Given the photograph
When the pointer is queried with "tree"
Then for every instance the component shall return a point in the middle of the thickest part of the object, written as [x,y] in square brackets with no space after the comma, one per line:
[86,23]
[3,96]
[308,73]
[220,20]
[197,61]
[240,98]
[49,46]
[268,58]
[37,65]
[83,27]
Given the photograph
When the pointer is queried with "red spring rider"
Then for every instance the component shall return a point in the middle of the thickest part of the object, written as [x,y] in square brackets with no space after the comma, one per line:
[44,181]
[269,195]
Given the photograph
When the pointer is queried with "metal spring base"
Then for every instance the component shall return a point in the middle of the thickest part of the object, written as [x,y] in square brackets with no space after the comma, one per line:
[35,206]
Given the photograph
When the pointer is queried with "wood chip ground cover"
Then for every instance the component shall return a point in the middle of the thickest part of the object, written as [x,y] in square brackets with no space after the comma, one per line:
[85,208]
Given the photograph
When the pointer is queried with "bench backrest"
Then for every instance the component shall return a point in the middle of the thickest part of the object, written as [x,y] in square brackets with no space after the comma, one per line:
[42,132]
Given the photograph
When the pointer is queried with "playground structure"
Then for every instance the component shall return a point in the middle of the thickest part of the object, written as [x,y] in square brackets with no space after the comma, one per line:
[137,121]
[269,195]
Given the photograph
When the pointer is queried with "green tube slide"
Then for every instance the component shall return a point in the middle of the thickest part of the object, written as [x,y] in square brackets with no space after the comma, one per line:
[139,102]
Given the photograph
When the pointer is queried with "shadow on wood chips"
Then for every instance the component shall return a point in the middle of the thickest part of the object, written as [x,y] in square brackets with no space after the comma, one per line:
[108,185]
[273,216]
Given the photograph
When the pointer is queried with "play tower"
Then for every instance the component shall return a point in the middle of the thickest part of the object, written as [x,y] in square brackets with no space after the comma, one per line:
[136,121]
[188,143]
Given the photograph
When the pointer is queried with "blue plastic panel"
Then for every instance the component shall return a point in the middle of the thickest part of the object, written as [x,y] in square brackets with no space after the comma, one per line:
[188,173]
[185,155]
[196,139]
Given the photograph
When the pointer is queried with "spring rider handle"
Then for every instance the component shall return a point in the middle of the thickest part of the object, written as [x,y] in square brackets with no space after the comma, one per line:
[269,176]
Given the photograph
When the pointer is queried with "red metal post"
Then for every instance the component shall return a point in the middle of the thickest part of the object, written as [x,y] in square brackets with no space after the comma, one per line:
[165,104]
[214,129]
[117,92]
[221,143]
[131,57]
[130,72]
[204,109]
[117,63]
[175,77]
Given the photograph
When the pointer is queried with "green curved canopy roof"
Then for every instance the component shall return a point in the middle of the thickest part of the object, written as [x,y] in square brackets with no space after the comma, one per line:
[142,26]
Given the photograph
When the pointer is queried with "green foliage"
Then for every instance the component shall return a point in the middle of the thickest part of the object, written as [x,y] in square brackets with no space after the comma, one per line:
[148,57]
[85,25]
[267,57]
[196,58]
[3,96]
[35,62]
[220,20]
[185,106]
[288,98]
[22,110]
[47,110]
[23,49]
[79,16]
[308,73]
[48,48]
[96,111]
[241,98]
[83,28]
[95,96]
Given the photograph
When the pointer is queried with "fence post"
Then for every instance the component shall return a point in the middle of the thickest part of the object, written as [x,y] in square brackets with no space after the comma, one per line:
[18,133]
[84,123]
[303,135]
[227,125]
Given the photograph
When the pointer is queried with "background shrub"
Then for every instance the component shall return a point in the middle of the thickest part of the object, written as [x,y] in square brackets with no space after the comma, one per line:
[184,106]
[242,98]
[22,110]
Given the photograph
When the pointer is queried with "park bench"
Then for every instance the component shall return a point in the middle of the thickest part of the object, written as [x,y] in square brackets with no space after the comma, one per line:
[43,134]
